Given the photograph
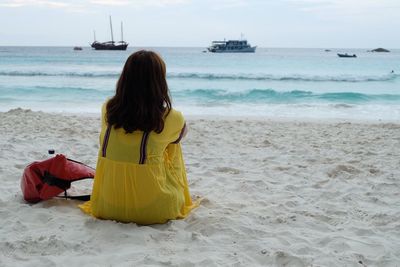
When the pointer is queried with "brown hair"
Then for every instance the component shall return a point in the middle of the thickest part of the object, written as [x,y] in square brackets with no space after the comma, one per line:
[141,100]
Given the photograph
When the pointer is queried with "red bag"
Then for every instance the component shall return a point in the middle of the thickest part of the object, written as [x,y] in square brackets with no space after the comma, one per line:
[43,180]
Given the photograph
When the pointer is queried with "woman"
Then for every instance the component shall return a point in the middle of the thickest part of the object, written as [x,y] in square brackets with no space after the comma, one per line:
[140,173]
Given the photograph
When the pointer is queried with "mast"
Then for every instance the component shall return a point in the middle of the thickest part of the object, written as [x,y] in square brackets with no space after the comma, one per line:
[94,35]
[122,33]
[112,36]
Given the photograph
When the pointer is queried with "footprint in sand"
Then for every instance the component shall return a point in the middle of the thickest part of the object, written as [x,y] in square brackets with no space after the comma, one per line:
[343,169]
[227,170]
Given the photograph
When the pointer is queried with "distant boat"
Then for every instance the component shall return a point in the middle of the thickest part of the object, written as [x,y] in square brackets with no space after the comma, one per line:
[110,45]
[231,46]
[327,50]
[346,55]
[77,48]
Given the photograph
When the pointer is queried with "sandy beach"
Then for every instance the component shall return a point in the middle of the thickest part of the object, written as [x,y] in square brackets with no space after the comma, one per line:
[276,193]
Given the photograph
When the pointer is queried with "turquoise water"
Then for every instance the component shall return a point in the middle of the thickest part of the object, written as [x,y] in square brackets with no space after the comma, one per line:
[295,83]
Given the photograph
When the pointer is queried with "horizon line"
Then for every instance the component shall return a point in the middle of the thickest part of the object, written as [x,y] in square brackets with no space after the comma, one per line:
[150,46]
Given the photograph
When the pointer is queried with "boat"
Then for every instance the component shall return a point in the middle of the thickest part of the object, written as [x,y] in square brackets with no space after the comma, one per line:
[231,46]
[346,55]
[77,48]
[110,45]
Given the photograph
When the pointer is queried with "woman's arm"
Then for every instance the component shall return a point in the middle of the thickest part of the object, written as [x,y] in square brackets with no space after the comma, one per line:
[182,134]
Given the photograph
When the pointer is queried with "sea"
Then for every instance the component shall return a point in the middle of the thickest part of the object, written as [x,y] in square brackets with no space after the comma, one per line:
[270,83]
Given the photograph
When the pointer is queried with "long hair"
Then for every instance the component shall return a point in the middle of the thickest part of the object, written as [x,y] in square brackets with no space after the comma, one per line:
[141,101]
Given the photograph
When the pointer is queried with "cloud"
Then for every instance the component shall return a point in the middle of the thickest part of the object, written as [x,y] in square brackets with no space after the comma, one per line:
[76,4]
[345,5]
[47,3]
[231,3]
[361,11]
[225,4]
[137,3]
[111,2]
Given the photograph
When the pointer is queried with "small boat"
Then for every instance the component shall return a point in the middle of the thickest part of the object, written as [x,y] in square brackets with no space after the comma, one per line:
[231,46]
[110,45]
[77,48]
[346,55]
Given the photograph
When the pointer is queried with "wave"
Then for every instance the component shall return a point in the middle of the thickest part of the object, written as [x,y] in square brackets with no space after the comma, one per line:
[207,96]
[213,76]
[38,91]
[295,77]
[62,74]
[217,95]
[272,96]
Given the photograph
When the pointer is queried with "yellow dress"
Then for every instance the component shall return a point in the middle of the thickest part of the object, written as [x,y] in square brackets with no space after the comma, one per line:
[141,177]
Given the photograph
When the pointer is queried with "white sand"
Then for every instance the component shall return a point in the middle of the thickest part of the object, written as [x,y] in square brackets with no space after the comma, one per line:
[276,194]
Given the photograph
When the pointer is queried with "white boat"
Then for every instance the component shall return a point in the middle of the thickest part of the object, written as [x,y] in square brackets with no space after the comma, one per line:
[231,46]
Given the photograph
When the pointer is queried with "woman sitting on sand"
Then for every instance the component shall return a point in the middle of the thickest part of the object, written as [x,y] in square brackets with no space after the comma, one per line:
[140,173]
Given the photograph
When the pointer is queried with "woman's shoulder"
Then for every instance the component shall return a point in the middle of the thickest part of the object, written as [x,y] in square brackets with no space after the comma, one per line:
[173,125]
[104,107]
[175,118]
[104,113]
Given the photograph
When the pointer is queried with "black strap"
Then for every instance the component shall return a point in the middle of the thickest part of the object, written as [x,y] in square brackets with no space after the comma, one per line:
[105,140]
[64,185]
[81,164]
[143,148]
[180,135]
[143,145]
[80,197]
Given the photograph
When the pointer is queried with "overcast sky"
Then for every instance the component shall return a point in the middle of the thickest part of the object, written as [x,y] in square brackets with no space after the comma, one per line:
[265,23]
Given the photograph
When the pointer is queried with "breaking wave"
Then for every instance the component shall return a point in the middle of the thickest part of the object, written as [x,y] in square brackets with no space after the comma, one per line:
[266,77]
[272,96]
[222,76]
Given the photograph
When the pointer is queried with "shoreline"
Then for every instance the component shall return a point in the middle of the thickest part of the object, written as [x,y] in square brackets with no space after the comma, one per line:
[256,118]
[276,193]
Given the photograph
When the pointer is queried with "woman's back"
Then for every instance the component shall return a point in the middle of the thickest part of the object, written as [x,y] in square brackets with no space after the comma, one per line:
[139,146]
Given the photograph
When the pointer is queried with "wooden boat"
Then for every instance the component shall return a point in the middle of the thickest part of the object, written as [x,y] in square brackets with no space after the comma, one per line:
[110,45]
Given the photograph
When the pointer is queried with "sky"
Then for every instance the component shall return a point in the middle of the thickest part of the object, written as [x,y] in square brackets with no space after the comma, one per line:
[195,23]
